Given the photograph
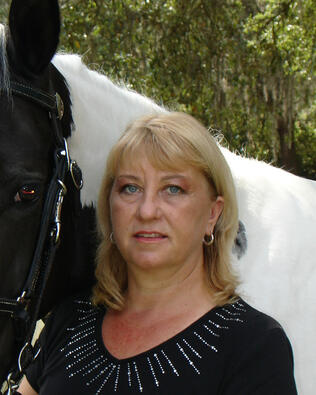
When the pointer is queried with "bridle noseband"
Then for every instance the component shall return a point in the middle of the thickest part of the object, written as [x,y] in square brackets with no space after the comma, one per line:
[24,310]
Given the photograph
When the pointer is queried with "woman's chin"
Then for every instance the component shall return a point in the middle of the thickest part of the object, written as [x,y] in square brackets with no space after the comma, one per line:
[150,262]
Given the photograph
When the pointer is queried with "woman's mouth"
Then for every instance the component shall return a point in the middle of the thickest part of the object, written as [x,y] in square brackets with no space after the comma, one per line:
[149,236]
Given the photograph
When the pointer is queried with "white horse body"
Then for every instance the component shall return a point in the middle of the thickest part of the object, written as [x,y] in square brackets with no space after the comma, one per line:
[101,112]
[278,209]
[278,271]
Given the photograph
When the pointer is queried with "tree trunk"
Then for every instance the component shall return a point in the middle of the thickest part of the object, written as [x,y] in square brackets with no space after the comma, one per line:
[287,156]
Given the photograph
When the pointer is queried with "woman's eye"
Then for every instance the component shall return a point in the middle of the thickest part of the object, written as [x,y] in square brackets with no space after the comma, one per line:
[174,189]
[27,193]
[130,189]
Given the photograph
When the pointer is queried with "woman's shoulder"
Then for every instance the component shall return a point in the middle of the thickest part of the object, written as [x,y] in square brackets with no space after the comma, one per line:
[58,328]
[66,315]
[255,335]
[69,307]
[240,312]
[257,350]
[247,322]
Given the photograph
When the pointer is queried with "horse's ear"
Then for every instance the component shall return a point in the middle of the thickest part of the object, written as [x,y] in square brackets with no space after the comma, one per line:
[34,31]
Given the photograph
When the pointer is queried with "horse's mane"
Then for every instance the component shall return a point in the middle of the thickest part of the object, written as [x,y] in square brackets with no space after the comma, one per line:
[4,70]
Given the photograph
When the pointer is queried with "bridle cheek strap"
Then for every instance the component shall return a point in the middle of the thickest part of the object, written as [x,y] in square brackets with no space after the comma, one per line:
[25,309]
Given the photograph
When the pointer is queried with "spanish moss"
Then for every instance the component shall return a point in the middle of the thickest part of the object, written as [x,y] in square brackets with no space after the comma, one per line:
[4,70]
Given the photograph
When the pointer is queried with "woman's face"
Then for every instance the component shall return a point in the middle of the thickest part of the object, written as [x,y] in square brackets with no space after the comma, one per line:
[160,217]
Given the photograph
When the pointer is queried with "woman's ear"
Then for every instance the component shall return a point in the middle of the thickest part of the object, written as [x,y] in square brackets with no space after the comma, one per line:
[216,209]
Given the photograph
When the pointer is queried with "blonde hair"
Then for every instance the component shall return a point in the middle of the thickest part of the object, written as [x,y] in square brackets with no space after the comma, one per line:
[169,140]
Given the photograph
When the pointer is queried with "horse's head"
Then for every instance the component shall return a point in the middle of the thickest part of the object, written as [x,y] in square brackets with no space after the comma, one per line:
[26,146]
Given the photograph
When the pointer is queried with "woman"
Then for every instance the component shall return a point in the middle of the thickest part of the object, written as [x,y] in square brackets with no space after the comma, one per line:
[164,316]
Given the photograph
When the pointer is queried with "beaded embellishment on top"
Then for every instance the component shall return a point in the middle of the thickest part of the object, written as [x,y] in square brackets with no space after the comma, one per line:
[100,371]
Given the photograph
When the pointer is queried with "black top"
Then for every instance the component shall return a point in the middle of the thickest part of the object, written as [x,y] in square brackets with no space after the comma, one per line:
[231,350]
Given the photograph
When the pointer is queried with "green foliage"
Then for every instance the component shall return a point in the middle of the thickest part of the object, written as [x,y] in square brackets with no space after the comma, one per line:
[306,141]
[4,9]
[285,30]
[245,67]
[281,48]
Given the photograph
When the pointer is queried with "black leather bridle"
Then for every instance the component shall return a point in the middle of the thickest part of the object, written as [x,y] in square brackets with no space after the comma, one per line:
[24,311]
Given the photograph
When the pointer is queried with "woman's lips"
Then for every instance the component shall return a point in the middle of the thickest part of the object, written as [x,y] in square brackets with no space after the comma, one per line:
[149,236]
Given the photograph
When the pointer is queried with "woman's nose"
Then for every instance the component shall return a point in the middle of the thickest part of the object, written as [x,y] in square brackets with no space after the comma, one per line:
[149,207]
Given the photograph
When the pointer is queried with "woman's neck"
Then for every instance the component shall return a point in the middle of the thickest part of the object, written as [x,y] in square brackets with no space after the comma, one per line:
[157,308]
[178,289]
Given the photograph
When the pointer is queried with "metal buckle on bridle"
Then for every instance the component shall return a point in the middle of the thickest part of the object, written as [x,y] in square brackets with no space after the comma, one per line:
[76,175]
[22,298]
[20,356]
[23,349]
[57,219]
[73,167]
[11,385]
[65,152]
[59,105]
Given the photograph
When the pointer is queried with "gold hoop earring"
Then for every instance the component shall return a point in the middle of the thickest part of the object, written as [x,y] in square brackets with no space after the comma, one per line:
[208,239]
[112,238]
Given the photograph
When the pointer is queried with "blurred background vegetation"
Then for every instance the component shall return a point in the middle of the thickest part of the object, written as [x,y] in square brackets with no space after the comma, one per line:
[243,67]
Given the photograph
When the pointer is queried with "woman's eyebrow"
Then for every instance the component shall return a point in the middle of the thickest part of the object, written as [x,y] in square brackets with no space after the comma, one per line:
[130,176]
[173,176]
[164,178]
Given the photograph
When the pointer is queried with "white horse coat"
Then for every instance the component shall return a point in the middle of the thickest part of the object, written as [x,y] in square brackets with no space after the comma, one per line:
[278,209]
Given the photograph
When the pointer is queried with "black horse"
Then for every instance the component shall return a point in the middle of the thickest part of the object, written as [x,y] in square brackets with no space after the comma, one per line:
[27,147]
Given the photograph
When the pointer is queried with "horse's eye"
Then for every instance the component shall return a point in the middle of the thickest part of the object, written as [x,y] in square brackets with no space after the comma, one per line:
[27,193]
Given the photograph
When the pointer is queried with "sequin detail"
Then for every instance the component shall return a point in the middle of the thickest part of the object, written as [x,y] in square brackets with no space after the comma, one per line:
[188,359]
[153,372]
[176,357]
